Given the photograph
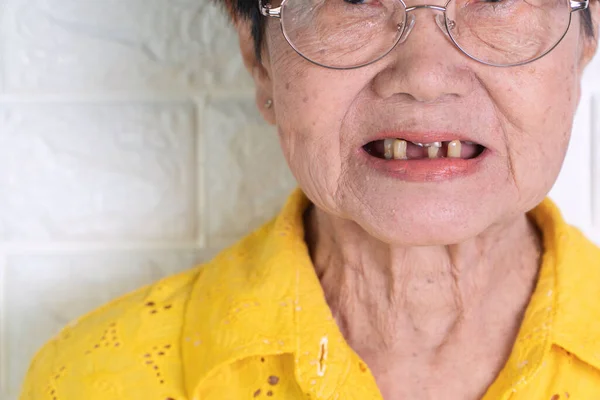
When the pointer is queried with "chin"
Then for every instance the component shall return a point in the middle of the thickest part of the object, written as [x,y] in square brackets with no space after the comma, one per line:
[423,234]
[429,220]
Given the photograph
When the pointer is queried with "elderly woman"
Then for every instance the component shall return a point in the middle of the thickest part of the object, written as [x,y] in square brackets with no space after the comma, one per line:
[419,258]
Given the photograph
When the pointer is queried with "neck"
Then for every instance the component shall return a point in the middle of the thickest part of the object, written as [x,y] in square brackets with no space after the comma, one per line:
[384,296]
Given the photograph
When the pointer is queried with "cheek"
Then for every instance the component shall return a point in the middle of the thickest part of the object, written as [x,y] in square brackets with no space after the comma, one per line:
[311,106]
[535,106]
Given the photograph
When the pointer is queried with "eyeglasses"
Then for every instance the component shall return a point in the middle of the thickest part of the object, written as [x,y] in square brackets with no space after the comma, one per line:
[347,34]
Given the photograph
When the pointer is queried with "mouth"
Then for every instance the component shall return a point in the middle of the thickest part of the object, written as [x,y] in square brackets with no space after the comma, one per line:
[401,149]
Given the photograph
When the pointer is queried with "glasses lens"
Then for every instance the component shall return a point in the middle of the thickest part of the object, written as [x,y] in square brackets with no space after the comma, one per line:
[507,32]
[342,33]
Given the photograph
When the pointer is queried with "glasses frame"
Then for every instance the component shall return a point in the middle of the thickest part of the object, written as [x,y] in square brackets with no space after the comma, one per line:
[268,11]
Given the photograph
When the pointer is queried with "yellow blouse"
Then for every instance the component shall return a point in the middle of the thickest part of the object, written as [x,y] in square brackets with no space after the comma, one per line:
[253,324]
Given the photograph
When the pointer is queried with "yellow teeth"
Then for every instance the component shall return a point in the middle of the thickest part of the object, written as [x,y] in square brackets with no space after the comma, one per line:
[400,149]
[432,151]
[388,148]
[454,149]
[397,149]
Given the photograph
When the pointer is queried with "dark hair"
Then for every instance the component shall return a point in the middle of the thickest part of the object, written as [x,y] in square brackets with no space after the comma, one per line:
[248,10]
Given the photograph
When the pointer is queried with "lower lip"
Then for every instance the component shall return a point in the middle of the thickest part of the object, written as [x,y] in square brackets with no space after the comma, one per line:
[426,170]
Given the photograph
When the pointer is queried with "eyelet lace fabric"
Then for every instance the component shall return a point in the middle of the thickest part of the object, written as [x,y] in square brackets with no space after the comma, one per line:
[254,324]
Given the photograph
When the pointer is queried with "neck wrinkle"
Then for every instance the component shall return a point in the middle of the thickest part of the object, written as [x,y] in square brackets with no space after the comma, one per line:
[382,295]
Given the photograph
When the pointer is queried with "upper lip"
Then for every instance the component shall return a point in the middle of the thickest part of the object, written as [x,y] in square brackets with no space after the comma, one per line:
[424,136]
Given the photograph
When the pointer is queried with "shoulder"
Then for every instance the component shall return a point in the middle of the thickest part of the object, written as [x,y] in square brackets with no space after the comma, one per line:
[128,336]
[576,319]
[133,345]
[243,258]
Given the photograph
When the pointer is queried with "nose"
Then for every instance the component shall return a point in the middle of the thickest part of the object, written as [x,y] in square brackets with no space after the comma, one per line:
[425,65]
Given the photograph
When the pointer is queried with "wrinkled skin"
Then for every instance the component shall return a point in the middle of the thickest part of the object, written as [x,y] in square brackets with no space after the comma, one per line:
[420,275]
[523,114]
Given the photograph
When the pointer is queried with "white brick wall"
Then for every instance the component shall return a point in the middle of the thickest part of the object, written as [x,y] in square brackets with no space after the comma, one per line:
[130,148]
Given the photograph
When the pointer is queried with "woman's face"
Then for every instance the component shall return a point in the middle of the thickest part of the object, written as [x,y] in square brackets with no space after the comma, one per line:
[425,86]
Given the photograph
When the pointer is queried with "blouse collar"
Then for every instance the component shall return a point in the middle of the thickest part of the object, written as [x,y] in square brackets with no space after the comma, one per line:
[263,297]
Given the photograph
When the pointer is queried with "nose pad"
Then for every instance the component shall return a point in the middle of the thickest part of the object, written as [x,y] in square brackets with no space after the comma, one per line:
[410,23]
[441,23]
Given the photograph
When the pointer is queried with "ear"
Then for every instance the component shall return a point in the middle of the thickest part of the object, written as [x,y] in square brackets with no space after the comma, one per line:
[259,71]
[590,44]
